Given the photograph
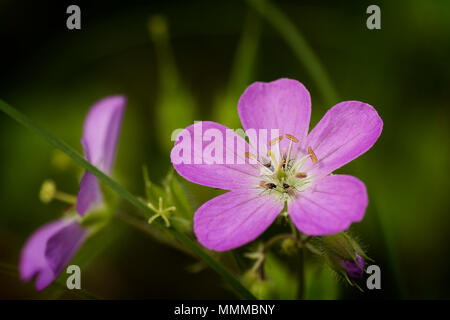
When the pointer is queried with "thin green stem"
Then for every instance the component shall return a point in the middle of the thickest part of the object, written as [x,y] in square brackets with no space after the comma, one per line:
[125,194]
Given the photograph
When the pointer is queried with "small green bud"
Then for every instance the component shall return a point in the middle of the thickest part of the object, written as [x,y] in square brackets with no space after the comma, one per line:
[344,255]
[288,246]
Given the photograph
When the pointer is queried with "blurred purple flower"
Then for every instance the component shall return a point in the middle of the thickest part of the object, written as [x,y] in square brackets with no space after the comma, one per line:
[52,246]
[354,269]
[296,171]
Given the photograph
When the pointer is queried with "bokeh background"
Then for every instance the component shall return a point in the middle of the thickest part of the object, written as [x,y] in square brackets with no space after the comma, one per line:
[180,61]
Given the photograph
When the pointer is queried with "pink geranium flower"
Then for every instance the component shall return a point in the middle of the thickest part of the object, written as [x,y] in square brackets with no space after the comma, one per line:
[51,247]
[293,168]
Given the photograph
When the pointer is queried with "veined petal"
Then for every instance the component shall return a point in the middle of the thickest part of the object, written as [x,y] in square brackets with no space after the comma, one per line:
[330,206]
[101,131]
[100,136]
[33,260]
[213,155]
[283,104]
[234,219]
[63,245]
[89,195]
[345,132]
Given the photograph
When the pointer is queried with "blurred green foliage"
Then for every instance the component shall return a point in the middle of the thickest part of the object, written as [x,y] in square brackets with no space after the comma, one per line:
[178,62]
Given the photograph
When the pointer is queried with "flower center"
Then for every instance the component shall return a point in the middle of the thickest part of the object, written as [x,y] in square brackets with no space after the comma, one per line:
[281,172]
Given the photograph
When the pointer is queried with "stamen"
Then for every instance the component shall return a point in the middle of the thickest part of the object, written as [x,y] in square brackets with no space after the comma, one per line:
[49,192]
[301,175]
[274,160]
[276,140]
[313,155]
[250,156]
[268,185]
[291,137]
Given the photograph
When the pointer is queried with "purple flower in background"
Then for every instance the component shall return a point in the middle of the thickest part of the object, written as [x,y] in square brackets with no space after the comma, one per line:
[354,269]
[292,168]
[52,246]
[100,135]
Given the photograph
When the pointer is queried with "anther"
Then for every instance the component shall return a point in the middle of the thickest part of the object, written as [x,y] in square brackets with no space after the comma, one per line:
[301,175]
[268,185]
[249,155]
[291,137]
[286,186]
[313,155]
[282,164]
[276,140]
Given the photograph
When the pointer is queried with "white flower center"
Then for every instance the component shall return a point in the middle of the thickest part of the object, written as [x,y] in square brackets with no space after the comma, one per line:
[283,174]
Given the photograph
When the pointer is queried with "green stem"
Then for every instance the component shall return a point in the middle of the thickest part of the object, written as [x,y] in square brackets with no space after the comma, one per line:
[125,194]
[301,262]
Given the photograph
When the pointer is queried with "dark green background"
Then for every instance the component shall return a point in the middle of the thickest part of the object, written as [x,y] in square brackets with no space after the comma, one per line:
[54,75]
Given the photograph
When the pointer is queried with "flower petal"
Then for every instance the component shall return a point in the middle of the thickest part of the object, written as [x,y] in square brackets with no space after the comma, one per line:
[33,260]
[100,136]
[101,131]
[213,155]
[354,269]
[330,206]
[89,195]
[63,245]
[345,132]
[234,219]
[283,104]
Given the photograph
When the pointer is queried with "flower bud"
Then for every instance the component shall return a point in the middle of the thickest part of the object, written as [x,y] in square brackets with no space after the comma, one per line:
[354,269]
[344,255]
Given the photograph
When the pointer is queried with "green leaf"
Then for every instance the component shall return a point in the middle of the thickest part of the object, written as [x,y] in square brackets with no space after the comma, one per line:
[125,194]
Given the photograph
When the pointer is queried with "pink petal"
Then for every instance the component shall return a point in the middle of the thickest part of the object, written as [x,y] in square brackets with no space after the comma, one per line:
[234,219]
[100,136]
[226,168]
[101,131]
[283,104]
[345,132]
[63,245]
[89,194]
[330,206]
[35,263]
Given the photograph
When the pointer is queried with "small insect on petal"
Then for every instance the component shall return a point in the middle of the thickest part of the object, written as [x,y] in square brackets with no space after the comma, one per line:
[275,140]
[292,138]
[312,155]
[301,175]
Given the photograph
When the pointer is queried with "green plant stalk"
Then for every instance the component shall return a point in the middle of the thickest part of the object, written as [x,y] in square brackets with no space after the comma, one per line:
[57,143]
[297,42]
